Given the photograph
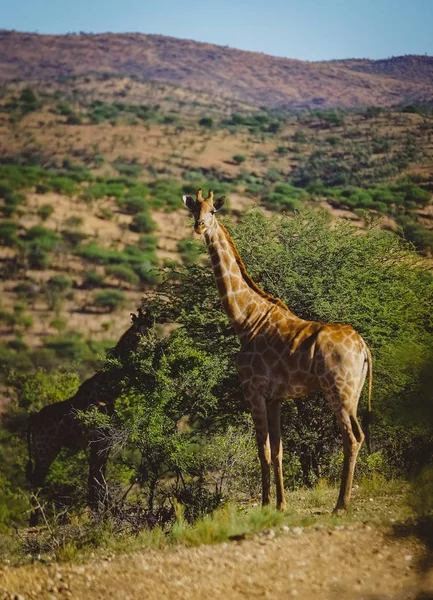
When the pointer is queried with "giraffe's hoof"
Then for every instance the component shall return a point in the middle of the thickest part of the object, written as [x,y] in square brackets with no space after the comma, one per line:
[338,510]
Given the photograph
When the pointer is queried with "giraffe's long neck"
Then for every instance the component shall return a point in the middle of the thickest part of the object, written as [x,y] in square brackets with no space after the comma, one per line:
[245,304]
[127,343]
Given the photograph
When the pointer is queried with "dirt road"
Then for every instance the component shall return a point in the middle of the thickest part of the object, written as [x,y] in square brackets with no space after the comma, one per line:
[351,562]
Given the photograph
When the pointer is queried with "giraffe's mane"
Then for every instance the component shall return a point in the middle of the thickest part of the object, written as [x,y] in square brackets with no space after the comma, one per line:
[245,275]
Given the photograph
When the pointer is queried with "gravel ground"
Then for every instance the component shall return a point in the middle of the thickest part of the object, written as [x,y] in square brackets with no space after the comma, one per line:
[359,562]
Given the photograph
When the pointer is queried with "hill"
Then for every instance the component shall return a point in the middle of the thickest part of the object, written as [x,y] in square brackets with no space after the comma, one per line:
[246,77]
[92,178]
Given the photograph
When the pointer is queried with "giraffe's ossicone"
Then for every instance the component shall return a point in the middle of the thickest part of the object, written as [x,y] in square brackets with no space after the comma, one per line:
[283,356]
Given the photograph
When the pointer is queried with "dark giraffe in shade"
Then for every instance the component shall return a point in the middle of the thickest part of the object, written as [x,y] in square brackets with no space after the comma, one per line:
[283,356]
[56,426]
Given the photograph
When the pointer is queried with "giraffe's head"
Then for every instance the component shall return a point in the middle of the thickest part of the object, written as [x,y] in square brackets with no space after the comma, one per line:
[203,210]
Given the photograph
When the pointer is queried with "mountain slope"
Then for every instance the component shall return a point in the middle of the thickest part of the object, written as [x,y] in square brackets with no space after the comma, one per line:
[257,79]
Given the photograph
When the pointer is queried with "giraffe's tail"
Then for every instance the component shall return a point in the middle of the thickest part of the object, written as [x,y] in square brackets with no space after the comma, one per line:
[29,465]
[368,414]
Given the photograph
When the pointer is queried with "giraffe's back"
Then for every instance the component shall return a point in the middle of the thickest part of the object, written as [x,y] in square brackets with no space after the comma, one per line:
[300,359]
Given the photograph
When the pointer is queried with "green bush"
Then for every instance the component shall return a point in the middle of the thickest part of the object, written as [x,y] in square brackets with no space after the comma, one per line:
[74,221]
[148,242]
[64,110]
[110,300]
[189,251]
[285,197]
[206,122]
[44,239]
[62,185]
[45,211]
[104,189]
[420,237]
[18,345]
[238,159]
[69,346]
[93,279]
[26,290]
[8,233]
[143,223]
[28,96]
[164,193]
[37,257]
[147,273]
[29,101]
[103,256]
[123,273]
[73,238]
[73,119]
[11,203]
[134,205]
[57,289]
[7,318]
[130,169]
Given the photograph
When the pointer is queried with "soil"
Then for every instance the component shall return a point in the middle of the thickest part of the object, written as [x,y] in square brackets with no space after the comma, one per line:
[346,562]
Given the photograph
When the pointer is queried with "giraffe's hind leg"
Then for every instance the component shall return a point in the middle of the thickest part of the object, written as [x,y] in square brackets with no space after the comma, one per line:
[353,437]
[342,387]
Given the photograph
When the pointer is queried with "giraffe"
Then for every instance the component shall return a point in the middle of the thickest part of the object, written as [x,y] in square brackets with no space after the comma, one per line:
[56,426]
[283,356]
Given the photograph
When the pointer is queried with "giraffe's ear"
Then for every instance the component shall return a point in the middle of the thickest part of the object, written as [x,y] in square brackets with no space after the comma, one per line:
[189,202]
[219,203]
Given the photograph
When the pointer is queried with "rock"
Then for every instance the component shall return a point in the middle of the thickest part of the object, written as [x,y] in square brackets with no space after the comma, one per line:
[80,570]
[285,529]
[269,533]
[297,530]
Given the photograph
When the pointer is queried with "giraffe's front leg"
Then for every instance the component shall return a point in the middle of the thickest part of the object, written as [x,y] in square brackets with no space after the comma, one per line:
[259,413]
[97,495]
[274,425]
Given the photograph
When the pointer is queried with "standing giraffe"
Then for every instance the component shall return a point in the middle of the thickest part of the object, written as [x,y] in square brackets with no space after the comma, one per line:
[283,356]
[56,426]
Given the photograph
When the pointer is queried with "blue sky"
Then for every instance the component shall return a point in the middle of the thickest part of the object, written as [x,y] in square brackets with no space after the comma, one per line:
[304,29]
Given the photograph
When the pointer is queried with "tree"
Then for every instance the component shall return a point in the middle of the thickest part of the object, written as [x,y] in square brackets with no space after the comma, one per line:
[325,271]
